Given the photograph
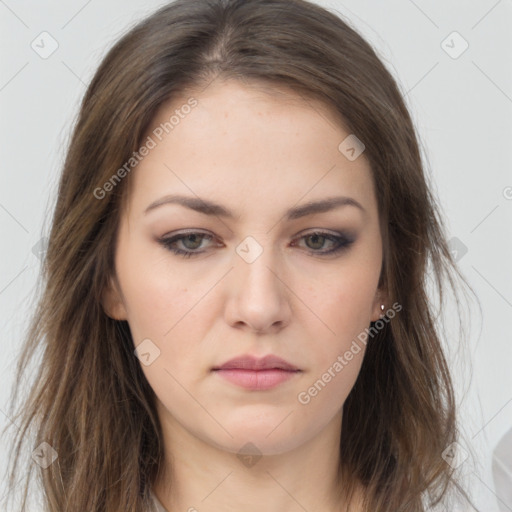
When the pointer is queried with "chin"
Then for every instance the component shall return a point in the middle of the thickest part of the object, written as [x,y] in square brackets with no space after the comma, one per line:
[257,445]
[261,438]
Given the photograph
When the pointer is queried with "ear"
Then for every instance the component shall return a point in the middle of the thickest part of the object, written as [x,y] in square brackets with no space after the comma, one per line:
[112,301]
[380,298]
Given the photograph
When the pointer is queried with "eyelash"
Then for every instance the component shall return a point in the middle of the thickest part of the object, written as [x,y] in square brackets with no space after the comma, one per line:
[343,243]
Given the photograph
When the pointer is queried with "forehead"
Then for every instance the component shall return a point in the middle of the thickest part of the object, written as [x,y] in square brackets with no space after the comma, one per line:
[247,143]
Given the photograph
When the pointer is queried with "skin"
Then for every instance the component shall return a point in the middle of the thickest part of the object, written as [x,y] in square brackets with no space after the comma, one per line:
[257,153]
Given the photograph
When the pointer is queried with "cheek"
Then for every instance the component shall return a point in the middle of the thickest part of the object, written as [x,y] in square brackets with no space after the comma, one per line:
[155,299]
[345,310]
[346,305]
[162,308]
[339,356]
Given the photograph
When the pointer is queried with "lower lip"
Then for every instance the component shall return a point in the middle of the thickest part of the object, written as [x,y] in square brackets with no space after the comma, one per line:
[257,379]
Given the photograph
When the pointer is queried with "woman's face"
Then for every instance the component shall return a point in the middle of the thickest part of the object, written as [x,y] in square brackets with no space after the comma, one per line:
[263,274]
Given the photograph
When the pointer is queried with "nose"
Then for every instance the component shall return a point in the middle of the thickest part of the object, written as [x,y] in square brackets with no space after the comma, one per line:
[258,296]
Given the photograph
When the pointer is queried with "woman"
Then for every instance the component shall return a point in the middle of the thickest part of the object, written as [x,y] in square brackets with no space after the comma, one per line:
[235,313]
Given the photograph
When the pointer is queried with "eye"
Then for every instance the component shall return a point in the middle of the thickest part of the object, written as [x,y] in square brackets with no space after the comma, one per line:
[318,240]
[191,242]
[187,244]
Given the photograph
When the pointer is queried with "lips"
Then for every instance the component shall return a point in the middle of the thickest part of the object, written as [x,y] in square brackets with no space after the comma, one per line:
[257,374]
[248,362]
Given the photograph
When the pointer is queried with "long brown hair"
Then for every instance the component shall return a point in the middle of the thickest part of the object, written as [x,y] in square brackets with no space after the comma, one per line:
[90,400]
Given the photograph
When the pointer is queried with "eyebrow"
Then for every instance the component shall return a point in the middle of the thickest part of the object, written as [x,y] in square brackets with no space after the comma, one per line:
[210,208]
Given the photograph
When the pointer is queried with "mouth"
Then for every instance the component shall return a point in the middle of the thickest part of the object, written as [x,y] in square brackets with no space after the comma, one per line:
[248,362]
[257,373]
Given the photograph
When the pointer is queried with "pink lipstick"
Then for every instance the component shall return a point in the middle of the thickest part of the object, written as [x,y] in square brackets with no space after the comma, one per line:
[257,374]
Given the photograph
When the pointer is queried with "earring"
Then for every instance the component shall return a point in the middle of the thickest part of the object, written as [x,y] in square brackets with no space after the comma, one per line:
[382,309]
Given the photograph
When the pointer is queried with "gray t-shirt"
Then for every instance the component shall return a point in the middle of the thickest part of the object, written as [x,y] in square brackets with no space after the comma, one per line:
[156,506]
[502,471]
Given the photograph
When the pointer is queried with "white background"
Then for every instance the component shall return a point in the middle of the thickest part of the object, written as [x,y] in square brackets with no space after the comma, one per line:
[462,108]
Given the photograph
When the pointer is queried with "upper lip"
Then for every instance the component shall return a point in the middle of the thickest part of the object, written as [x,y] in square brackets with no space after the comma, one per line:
[248,362]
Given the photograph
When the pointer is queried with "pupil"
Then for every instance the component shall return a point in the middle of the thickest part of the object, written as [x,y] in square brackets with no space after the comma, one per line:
[190,238]
[317,237]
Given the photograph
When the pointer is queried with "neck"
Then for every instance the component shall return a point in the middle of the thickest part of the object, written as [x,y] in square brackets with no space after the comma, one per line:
[205,477]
